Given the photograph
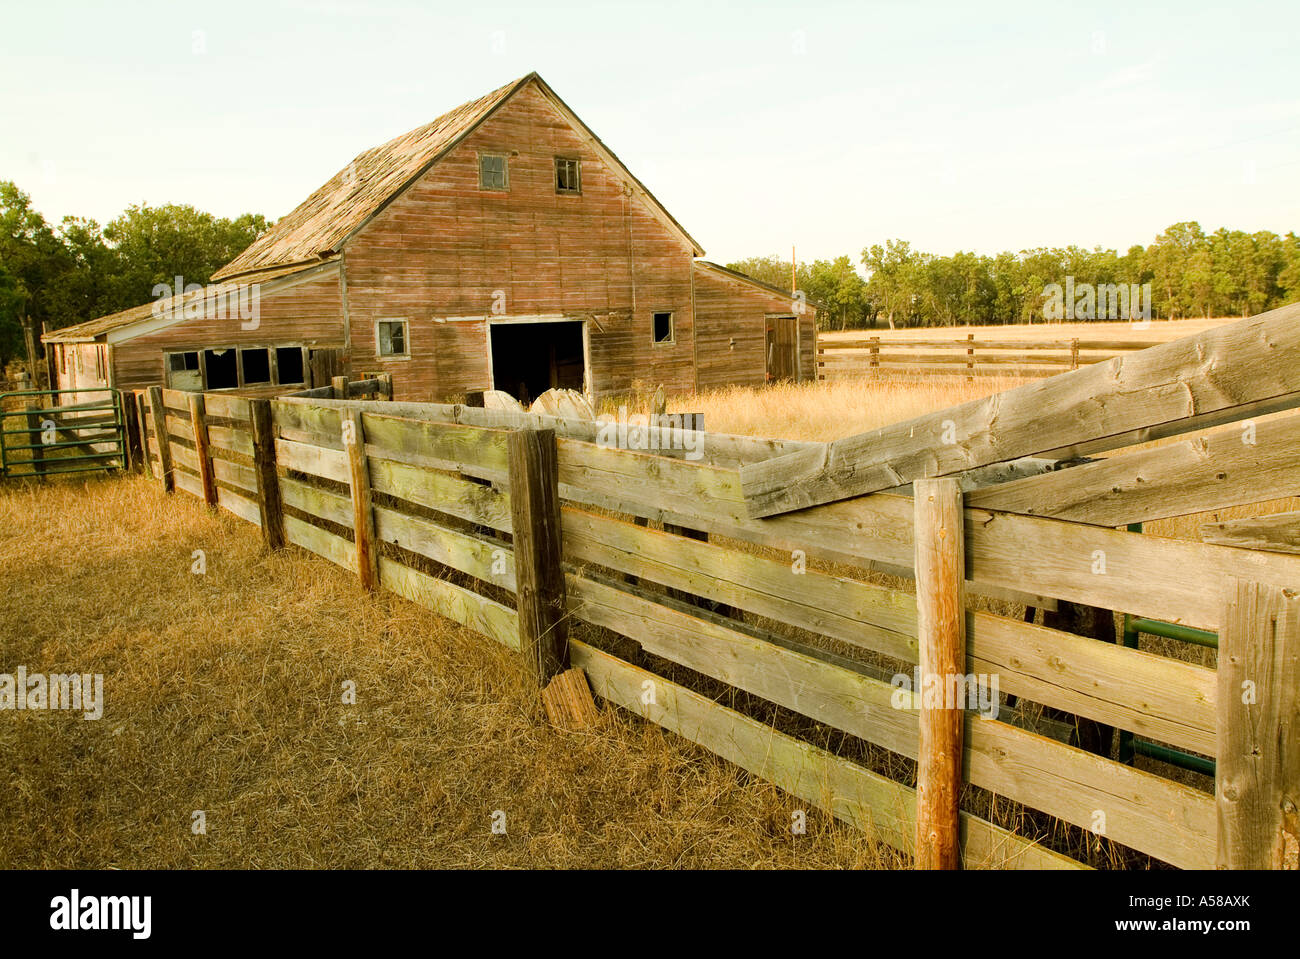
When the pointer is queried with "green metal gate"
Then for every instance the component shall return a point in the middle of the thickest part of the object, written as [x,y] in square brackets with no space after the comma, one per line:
[40,437]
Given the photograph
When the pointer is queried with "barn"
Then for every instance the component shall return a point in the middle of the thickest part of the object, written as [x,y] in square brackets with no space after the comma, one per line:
[501,246]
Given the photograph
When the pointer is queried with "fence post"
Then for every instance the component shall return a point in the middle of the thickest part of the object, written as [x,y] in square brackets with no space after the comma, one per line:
[35,435]
[363,512]
[164,444]
[941,632]
[1074,353]
[340,386]
[970,356]
[386,386]
[539,577]
[132,447]
[269,505]
[1257,773]
[199,423]
[141,416]
[875,352]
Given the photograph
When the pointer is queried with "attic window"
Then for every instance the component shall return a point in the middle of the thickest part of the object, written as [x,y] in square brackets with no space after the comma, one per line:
[392,338]
[493,172]
[568,175]
[663,327]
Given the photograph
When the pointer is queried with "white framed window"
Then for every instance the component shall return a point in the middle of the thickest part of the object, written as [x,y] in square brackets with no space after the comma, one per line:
[391,338]
[663,328]
[493,171]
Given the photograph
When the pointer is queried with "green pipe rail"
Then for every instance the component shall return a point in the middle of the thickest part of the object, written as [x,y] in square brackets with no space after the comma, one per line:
[37,407]
[1130,745]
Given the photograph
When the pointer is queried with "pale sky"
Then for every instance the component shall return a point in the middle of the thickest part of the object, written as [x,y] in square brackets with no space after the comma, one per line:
[827,125]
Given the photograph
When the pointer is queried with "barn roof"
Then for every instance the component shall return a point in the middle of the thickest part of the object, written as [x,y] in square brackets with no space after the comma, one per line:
[320,225]
[113,322]
[736,276]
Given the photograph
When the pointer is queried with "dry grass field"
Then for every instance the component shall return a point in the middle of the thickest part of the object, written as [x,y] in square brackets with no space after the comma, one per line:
[1157,331]
[224,693]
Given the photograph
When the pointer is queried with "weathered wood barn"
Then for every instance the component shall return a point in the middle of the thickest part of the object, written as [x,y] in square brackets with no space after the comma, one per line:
[502,246]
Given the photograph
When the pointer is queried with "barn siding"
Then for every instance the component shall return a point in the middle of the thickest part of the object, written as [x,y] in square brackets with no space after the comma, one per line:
[445,248]
[730,317]
[309,313]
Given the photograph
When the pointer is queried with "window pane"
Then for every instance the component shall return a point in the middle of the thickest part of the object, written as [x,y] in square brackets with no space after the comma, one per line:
[663,327]
[392,338]
[288,364]
[256,366]
[491,172]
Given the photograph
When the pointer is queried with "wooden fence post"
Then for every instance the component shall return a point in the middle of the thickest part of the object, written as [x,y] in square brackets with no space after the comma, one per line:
[363,512]
[141,416]
[535,515]
[1257,773]
[941,632]
[1074,353]
[970,356]
[132,445]
[340,386]
[199,423]
[875,352]
[270,506]
[159,417]
[386,386]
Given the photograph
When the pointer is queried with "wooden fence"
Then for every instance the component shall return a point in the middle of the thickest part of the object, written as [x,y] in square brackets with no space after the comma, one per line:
[466,511]
[965,356]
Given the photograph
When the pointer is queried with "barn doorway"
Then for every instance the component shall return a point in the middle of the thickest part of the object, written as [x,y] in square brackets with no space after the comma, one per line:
[782,348]
[529,358]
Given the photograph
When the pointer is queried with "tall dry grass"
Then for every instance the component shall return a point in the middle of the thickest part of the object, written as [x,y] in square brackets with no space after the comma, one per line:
[224,694]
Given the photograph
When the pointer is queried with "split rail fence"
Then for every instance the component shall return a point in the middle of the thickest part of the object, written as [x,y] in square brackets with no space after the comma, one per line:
[522,526]
[965,356]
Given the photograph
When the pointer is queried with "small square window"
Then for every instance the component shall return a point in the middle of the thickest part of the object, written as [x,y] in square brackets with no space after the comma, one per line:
[288,364]
[568,175]
[255,364]
[663,327]
[493,172]
[392,338]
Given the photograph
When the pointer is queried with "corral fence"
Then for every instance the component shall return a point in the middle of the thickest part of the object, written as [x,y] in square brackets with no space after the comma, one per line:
[54,432]
[562,542]
[966,356]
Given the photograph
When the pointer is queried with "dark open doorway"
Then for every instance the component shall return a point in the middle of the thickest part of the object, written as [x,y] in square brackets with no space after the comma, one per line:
[530,358]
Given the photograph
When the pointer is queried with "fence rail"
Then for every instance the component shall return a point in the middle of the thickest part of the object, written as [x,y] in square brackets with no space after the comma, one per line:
[448,507]
[968,356]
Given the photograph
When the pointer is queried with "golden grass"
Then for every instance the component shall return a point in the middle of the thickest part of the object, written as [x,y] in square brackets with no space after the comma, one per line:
[1157,331]
[224,694]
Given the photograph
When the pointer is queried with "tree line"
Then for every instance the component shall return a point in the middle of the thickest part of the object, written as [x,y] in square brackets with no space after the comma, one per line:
[1190,274]
[58,275]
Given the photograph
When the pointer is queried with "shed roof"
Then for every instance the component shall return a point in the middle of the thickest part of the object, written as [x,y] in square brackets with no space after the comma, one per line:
[92,329]
[320,225]
[736,276]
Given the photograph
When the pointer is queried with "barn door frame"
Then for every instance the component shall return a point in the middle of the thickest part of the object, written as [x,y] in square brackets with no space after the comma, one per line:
[771,325]
[587,379]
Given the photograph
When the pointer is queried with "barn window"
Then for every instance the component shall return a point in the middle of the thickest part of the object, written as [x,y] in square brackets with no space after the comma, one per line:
[663,327]
[392,338]
[255,364]
[183,371]
[221,369]
[493,172]
[568,175]
[289,364]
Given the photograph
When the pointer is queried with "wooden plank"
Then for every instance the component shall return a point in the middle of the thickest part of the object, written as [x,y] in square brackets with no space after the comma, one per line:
[491,562]
[941,629]
[188,482]
[316,460]
[201,451]
[1157,697]
[176,400]
[1170,821]
[1223,368]
[1228,466]
[847,791]
[225,406]
[1258,762]
[230,439]
[458,449]
[363,513]
[477,502]
[1279,533]
[179,427]
[156,417]
[266,479]
[453,602]
[317,502]
[336,549]
[535,521]
[139,399]
[184,456]
[235,474]
[241,506]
